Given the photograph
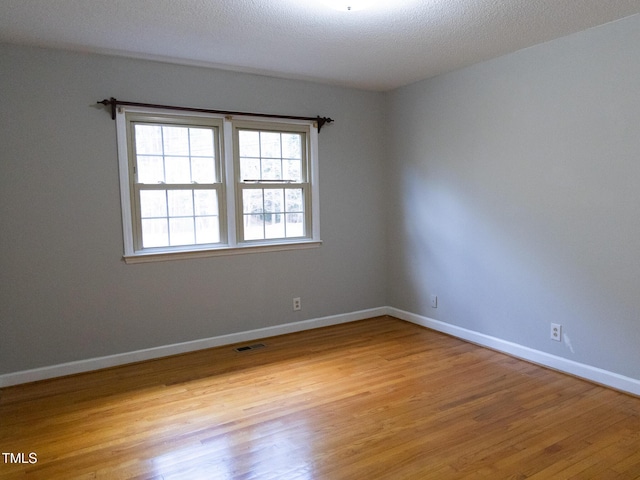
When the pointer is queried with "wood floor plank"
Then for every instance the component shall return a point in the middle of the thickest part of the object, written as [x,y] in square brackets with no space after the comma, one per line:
[379,398]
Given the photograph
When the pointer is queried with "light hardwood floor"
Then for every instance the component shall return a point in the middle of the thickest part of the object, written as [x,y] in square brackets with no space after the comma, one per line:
[375,399]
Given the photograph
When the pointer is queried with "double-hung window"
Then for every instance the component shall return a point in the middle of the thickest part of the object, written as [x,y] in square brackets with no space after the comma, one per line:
[201,184]
[272,184]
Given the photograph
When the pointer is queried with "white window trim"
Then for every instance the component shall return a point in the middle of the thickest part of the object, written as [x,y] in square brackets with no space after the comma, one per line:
[232,246]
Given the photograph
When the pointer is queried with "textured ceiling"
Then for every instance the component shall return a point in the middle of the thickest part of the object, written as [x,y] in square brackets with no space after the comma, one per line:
[380,48]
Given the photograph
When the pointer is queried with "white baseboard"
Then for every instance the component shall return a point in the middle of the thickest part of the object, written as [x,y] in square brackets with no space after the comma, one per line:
[81,366]
[593,374]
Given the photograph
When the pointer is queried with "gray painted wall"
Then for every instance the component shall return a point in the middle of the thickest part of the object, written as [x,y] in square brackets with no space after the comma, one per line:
[509,189]
[66,294]
[516,197]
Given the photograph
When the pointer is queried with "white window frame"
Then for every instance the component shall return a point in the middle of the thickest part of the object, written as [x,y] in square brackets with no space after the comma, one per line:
[229,200]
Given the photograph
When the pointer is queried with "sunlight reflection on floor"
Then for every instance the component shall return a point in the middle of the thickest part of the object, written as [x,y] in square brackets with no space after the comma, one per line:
[266,452]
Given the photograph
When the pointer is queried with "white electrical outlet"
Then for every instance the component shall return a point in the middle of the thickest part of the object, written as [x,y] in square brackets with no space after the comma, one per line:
[556,332]
[434,301]
[297,304]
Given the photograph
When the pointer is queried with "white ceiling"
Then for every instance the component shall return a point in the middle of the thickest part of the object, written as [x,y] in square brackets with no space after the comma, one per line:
[380,48]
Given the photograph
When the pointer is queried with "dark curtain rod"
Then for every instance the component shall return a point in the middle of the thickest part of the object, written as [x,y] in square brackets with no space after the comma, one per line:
[114,103]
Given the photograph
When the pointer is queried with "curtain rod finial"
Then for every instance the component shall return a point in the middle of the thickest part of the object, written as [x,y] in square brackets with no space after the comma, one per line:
[322,120]
[113,102]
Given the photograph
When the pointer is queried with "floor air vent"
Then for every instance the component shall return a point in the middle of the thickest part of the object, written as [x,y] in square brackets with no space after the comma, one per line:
[246,348]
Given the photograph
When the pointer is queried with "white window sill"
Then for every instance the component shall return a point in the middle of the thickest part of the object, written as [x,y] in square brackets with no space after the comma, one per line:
[146,257]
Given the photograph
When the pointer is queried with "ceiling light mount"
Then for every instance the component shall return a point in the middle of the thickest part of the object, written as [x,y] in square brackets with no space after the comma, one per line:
[349,5]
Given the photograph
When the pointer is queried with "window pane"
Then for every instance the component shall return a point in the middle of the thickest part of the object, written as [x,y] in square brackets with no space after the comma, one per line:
[181,231]
[176,140]
[271,170]
[252,201]
[154,233]
[270,145]
[207,230]
[177,170]
[153,203]
[150,169]
[274,225]
[203,170]
[148,139]
[273,200]
[294,200]
[201,142]
[250,169]
[205,202]
[294,224]
[253,227]
[180,203]
[249,143]
[292,145]
[292,170]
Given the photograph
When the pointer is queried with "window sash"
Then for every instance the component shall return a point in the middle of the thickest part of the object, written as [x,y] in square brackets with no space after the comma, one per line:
[167,216]
[285,213]
[164,158]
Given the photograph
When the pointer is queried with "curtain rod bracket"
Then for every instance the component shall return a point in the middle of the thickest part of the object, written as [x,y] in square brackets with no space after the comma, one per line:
[113,102]
[320,121]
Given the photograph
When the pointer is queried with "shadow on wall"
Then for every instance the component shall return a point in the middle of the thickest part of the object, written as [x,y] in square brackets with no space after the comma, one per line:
[493,264]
